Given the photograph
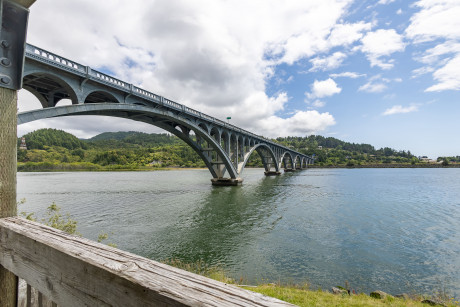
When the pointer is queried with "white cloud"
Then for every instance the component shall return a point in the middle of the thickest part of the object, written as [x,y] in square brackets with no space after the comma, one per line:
[448,76]
[310,22]
[318,103]
[212,56]
[376,84]
[421,71]
[435,55]
[385,1]
[381,43]
[400,109]
[373,87]
[399,12]
[328,63]
[347,74]
[436,19]
[320,89]
[346,34]
[437,22]
[302,123]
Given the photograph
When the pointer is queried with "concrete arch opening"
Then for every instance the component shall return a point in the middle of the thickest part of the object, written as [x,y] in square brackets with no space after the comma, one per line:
[287,161]
[48,88]
[297,163]
[100,97]
[267,156]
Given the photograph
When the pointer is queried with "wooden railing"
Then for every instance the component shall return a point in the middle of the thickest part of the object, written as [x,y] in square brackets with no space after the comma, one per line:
[72,271]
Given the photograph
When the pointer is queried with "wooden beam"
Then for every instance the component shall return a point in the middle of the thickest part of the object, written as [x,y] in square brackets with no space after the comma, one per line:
[73,271]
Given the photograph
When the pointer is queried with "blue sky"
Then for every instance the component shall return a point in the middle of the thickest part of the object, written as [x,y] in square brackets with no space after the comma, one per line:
[383,72]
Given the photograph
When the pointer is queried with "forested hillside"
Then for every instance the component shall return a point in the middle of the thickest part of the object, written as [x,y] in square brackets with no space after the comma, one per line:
[52,137]
[51,149]
[333,151]
[132,139]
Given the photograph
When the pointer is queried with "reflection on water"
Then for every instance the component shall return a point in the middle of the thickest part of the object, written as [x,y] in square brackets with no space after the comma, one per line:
[390,229]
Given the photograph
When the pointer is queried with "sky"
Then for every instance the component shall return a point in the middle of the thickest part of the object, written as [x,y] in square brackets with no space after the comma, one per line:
[381,72]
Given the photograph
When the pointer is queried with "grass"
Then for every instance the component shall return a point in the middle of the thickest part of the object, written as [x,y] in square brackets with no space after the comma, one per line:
[305,297]
[302,295]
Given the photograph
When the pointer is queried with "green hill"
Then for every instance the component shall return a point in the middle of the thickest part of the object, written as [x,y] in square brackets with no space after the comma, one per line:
[332,151]
[52,137]
[132,139]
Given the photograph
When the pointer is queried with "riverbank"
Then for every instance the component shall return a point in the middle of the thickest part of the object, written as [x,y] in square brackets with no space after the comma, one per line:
[306,297]
[303,295]
[388,165]
[91,167]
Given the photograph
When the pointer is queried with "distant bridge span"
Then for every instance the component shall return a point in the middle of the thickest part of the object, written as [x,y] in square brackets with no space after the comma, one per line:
[224,148]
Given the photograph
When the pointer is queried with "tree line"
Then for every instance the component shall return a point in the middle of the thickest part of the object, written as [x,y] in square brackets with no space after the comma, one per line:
[52,149]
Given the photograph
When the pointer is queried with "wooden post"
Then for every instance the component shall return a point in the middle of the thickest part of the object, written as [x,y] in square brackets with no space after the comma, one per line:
[8,159]
[8,128]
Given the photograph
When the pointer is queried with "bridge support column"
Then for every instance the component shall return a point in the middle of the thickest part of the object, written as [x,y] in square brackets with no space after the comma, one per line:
[272,173]
[226,181]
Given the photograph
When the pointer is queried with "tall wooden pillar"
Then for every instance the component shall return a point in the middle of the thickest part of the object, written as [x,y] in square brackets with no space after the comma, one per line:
[8,127]
[8,135]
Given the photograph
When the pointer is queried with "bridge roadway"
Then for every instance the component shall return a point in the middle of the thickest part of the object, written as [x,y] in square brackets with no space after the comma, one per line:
[224,148]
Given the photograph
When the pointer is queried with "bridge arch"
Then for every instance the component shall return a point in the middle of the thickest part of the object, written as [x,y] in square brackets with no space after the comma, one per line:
[203,126]
[100,96]
[168,122]
[304,163]
[266,154]
[49,88]
[297,162]
[287,160]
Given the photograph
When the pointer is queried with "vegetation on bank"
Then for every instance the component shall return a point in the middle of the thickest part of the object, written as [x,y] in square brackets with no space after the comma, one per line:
[303,295]
[54,218]
[56,150]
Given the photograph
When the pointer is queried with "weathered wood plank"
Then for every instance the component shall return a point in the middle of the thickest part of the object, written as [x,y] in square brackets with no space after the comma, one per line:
[74,271]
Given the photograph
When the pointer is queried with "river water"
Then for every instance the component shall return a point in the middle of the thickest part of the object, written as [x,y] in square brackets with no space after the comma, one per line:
[396,230]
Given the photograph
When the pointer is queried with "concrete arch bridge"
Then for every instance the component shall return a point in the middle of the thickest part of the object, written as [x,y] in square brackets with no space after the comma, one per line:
[224,148]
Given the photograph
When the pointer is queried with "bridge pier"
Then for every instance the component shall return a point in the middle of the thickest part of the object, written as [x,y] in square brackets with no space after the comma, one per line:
[289,170]
[272,173]
[226,181]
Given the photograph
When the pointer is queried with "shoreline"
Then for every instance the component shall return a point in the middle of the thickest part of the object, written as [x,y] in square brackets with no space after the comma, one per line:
[388,166]
[174,168]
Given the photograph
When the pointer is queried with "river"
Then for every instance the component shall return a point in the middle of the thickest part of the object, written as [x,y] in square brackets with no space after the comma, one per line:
[395,230]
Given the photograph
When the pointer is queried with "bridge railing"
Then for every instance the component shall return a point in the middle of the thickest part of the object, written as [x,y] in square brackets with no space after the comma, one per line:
[43,55]
[145,94]
[54,59]
[72,271]
[107,79]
